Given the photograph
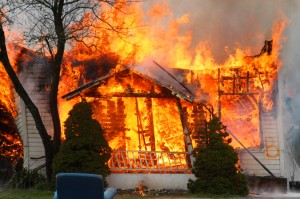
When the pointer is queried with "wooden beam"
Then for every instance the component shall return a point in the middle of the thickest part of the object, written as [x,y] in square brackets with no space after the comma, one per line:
[187,138]
[245,93]
[239,77]
[120,94]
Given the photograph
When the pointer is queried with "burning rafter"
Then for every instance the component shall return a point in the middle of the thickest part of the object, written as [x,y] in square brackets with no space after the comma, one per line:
[121,94]
[166,91]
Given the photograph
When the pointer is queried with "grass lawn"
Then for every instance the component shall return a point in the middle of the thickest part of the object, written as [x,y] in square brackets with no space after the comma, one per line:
[34,194]
[25,194]
[37,194]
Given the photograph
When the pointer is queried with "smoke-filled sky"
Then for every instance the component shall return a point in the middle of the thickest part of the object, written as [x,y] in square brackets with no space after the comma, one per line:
[231,23]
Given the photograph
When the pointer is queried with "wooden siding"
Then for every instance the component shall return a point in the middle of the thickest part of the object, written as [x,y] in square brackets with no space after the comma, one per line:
[269,155]
[35,79]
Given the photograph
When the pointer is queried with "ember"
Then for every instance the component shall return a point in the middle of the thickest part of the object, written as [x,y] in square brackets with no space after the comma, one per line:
[142,189]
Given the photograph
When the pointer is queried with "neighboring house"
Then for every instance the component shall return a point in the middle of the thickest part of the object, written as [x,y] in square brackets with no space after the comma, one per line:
[33,72]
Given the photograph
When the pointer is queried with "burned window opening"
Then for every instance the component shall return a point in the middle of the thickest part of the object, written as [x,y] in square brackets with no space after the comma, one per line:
[243,93]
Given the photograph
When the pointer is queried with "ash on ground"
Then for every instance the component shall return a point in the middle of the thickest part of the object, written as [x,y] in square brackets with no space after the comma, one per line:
[152,192]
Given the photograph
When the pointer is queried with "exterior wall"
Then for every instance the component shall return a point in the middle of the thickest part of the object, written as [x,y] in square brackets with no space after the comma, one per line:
[270,155]
[152,181]
[33,76]
[32,143]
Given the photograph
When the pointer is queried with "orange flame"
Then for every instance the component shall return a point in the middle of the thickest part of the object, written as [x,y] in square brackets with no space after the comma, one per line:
[6,88]
[11,144]
[248,81]
[165,43]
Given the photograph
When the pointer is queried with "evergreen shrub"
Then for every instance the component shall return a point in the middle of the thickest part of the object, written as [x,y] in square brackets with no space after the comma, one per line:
[215,165]
[85,149]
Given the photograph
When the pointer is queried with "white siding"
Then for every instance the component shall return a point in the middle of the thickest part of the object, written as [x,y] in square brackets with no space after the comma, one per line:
[269,155]
[34,77]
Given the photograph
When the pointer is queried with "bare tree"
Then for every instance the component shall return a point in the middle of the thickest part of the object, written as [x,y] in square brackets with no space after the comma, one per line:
[51,24]
[24,95]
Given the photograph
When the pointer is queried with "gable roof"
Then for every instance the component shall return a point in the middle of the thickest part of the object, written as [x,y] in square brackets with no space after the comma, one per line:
[162,78]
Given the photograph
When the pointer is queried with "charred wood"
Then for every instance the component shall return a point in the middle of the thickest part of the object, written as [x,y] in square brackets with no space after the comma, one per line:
[123,94]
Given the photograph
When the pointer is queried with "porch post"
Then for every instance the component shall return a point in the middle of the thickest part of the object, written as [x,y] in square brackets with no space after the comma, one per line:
[187,138]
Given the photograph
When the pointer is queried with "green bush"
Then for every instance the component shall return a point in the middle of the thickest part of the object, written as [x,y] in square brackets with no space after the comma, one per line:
[215,164]
[25,179]
[85,149]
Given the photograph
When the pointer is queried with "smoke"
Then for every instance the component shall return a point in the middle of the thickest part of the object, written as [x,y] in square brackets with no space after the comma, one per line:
[289,91]
[228,24]
[277,195]
[33,72]
[94,67]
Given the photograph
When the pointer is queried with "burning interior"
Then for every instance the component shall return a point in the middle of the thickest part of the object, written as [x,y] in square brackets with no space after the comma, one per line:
[143,121]
[151,119]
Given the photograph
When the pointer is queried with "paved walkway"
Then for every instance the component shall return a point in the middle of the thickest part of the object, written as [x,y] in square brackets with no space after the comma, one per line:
[265,196]
[276,196]
[262,196]
[251,196]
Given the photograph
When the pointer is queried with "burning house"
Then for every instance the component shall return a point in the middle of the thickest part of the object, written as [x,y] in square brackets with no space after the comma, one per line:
[151,120]
[151,113]
[151,117]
